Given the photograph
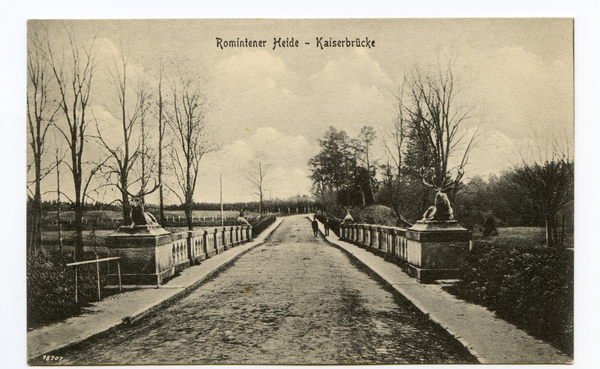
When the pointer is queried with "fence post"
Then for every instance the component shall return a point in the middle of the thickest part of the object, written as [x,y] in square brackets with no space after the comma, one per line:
[98,277]
[119,272]
[76,284]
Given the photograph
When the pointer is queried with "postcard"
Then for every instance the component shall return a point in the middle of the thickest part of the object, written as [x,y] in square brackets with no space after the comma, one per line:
[300,191]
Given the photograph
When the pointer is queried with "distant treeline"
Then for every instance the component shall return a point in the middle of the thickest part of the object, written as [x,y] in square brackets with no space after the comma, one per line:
[272,206]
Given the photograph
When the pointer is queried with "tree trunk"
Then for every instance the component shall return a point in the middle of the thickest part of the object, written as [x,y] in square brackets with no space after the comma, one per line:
[161,210]
[78,210]
[78,231]
[38,201]
[162,204]
[58,220]
[35,231]
[126,206]
[362,194]
[551,231]
[143,165]
[189,214]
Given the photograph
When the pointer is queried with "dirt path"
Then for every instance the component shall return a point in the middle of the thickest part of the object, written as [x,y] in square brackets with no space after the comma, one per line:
[293,300]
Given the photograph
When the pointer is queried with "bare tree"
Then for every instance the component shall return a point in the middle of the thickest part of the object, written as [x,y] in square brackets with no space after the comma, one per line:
[161,136]
[397,190]
[439,121]
[125,153]
[40,114]
[398,134]
[365,141]
[192,139]
[256,175]
[73,76]
[147,162]
[59,157]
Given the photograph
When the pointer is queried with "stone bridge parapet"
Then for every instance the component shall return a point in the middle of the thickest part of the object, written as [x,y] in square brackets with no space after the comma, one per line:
[428,250]
[150,254]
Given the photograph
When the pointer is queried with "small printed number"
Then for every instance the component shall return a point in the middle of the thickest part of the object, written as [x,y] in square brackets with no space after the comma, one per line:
[52,358]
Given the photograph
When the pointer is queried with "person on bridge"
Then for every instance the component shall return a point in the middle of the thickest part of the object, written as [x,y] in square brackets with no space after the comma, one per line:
[315,226]
[327,226]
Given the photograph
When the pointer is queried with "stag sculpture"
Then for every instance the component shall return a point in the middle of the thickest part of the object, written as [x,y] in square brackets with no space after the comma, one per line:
[137,213]
[441,209]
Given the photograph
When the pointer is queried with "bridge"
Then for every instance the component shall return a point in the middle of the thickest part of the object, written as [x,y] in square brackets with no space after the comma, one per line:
[290,298]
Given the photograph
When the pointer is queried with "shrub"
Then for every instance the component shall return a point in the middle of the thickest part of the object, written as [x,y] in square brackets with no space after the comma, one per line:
[51,287]
[531,287]
[334,224]
[261,224]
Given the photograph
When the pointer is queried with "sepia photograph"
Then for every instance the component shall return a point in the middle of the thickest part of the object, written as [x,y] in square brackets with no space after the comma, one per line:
[342,191]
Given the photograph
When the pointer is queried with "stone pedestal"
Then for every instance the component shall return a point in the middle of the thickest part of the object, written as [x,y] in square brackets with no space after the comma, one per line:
[149,254]
[436,249]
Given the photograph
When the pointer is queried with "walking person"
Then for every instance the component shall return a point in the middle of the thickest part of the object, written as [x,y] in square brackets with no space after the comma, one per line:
[327,227]
[315,226]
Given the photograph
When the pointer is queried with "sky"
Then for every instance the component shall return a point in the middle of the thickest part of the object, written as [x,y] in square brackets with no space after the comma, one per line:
[275,103]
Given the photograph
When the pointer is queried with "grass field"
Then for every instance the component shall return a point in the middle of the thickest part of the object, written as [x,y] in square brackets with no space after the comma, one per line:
[524,235]
[207,214]
[117,216]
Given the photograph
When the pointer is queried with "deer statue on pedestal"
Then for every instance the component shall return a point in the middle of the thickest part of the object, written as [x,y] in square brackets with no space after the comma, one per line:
[441,209]
[137,213]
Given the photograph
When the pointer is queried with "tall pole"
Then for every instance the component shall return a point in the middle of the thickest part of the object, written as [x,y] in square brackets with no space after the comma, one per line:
[60,242]
[221,180]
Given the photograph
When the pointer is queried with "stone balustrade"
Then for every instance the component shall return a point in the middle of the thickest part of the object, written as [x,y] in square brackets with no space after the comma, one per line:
[428,250]
[390,241]
[150,254]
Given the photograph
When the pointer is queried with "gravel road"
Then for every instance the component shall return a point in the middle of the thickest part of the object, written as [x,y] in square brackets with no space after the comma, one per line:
[293,300]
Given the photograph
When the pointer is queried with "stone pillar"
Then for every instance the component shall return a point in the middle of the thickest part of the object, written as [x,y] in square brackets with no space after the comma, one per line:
[211,243]
[205,243]
[361,232]
[383,244]
[219,240]
[226,238]
[376,238]
[231,241]
[249,233]
[436,249]
[149,254]
[198,246]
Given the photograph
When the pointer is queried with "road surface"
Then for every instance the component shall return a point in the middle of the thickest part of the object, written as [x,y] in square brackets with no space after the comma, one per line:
[293,300]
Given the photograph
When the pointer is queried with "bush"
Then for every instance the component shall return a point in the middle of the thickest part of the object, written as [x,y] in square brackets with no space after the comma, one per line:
[531,287]
[51,287]
[261,224]
[334,224]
